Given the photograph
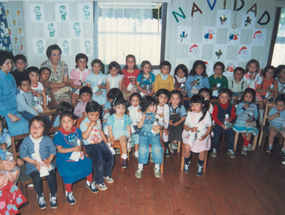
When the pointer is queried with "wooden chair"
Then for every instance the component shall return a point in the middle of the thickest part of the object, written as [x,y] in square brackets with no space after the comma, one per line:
[253,143]
[50,113]
[117,145]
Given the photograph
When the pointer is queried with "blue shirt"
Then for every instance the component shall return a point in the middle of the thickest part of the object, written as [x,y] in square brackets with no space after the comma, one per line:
[181,110]
[143,81]
[119,126]
[204,82]
[93,80]
[278,121]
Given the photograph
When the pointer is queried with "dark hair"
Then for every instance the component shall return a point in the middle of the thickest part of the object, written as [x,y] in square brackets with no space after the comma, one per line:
[165,63]
[93,106]
[20,57]
[239,69]
[44,68]
[5,55]
[33,69]
[145,62]
[251,91]
[162,91]
[85,89]
[116,65]
[226,91]
[250,62]
[22,78]
[115,93]
[146,102]
[101,64]
[3,123]
[137,95]
[197,98]
[219,63]
[118,101]
[267,68]
[81,56]
[280,98]
[132,56]
[205,90]
[63,107]
[67,113]
[43,120]
[51,48]
[177,92]
[197,63]
[183,68]
[279,69]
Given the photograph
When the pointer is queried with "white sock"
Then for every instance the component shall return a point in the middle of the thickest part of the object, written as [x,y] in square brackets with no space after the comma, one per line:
[137,153]
[140,166]
[157,166]
[124,156]
[261,114]
[88,183]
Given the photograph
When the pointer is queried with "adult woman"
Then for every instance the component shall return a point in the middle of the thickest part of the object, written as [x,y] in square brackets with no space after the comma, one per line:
[8,88]
[59,76]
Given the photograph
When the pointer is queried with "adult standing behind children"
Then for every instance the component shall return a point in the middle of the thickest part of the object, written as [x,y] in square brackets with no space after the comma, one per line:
[164,80]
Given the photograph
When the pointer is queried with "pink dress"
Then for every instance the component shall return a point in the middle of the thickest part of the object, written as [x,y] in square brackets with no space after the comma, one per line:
[192,121]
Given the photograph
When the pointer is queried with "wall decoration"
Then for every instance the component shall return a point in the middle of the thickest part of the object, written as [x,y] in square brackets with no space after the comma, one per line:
[234,36]
[195,51]
[22,49]
[213,5]
[62,12]
[7,13]
[220,52]
[209,67]
[209,34]
[195,8]
[85,12]
[182,15]
[182,61]
[65,45]
[20,31]
[14,22]
[239,8]
[86,44]
[244,53]
[76,30]
[261,18]
[50,30]
[224,18]
[183,34]
[18,13]
[37,12]
[39,46]
[230,66]
[259,37]
[248,20]
[253,9]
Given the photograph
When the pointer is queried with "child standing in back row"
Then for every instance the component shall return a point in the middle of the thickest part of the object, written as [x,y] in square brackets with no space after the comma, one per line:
[164,80]
[145,80]
[114,78]
[253,74]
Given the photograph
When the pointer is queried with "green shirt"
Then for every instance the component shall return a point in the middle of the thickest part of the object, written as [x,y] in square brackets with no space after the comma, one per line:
[214,81]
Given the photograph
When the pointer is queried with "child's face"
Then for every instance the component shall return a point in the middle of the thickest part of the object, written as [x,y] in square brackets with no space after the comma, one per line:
[45,74]
[135,101]
[206,96]
[224,98]
[130,63]
[282,74]
[280,106]
[165,70]
[93,116]
[146,69]
[120,109]
[96,68]
[25,86]
[199,70]
[252,68]
[238,75]
[82,63]
[114,71]
[175,100]
[151,109]
[218,70]
[248,97]
[20,65]
[67,123]
[85,97]
[7,66]
[269,74]
[196,107]
[37,129]
[180,73]
[34,77]
[162,99]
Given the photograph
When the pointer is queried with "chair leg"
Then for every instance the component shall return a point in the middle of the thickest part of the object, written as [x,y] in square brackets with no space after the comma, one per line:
[205,162]
[263,141]
[236,140]
[255,140]
[261,135]
[162,165]
[25,193]
[224,134]
[182,157]
[179,145]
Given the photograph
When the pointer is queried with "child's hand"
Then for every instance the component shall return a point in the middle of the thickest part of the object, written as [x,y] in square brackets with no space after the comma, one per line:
[224,127]
[92,123]
[47,162]
[143,117]
[13,118]
[194,82]
[166,132]
[277,114]
[202,138]
[155,128]
[45,108]
[171,122]
[38,95]
[33,92]
[260,72]
[77,148]
[144,91]
[176,123]
[194,129]
[127,91]
[248,121]
[3,146]
[99,86]
[228,120]
[133,83]
[37,165]
[246,105]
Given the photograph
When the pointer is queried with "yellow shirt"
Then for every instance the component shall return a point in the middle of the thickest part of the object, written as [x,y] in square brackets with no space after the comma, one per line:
[159,83]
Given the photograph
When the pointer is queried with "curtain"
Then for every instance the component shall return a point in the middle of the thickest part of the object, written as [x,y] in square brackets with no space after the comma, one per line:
[5,43]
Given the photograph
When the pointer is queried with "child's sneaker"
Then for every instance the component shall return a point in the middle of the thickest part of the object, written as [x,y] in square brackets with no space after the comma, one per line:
[167,153]
[108,179]
[124,163]
[171,149]
[283,152]
[42,202]
[199,170]
[91,186]
[136,154]
[244,150]
[70,198]
[214,153]
[249,147]
[186,167]
[53,201]
[174,145]
[102,186]
[150,158]
[157,173]
[231,153]
[269,149]
[118,151]
[139,173]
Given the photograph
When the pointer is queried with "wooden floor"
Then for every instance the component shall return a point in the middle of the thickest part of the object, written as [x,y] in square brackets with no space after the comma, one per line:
[245,185]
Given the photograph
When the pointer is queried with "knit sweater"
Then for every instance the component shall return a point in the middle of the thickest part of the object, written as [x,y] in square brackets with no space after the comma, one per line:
[167,84]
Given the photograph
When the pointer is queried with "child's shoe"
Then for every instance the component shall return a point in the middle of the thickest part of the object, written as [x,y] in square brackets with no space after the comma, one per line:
[136,154]
[108,179]
[249,147]
[70,198]
[124,163]
[42,202]
[283,152]
[53,201]
[244,150]
[199,171]
[157,173]
[102,186]
[231,153]
[118,151]
[150,158]
[214,153]
[186,167]
[171,149]
[174,145]
[139,173]
[167,153]
[269,149]
[91,186]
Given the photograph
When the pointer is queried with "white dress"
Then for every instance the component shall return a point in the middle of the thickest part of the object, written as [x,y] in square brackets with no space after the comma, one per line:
[114,81]
[164,113]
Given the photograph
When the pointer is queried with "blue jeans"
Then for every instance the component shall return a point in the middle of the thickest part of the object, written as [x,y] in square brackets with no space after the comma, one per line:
[217,136]
[29,116]
[103,160]
[147,138]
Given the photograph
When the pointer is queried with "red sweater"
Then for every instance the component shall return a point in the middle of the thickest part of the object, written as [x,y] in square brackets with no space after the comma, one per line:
[224,106]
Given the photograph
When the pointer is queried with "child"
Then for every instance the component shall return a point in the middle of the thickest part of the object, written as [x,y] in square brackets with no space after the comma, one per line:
[130,73]
[135,116]
[71,163]
[207,94]
[237,84]
[197,79]
[38,151]
[37,89]
[162,96]
[253,74]
[78,75]
[20,62]
[5,142]
[196,138]
[267,90]
[97,82]
[280,71]
[223,114]
[180,76]
[85,94]
[114,78]
[149,135]
[119,127]
[45,73]
[95,144]
[164,80]
[62,107]
[218,81]
[177,116]
[247,113]
[276,118]
[145,80]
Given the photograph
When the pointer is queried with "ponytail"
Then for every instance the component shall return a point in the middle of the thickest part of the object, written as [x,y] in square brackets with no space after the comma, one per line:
[197,98]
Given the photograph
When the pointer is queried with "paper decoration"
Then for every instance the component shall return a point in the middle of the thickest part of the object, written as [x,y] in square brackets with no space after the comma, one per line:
[182,61]
[248,20]
[50,29]
[224,18]
[22,48]
[213,5]
[39,46]
[182,15]
[183,34]
[86,44]
[20,31]
[230,66]
[65,45]
[7,13]
[209,67]
[19,13]
[75,30]
[259,37]
[220,52]
[253,9]
[195,51]
[234,36]
[14,22]
[37,12]
[195,8]
[85,12]
[209,34]
[62,12]
[262,17]
[244,53]
[239,8]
